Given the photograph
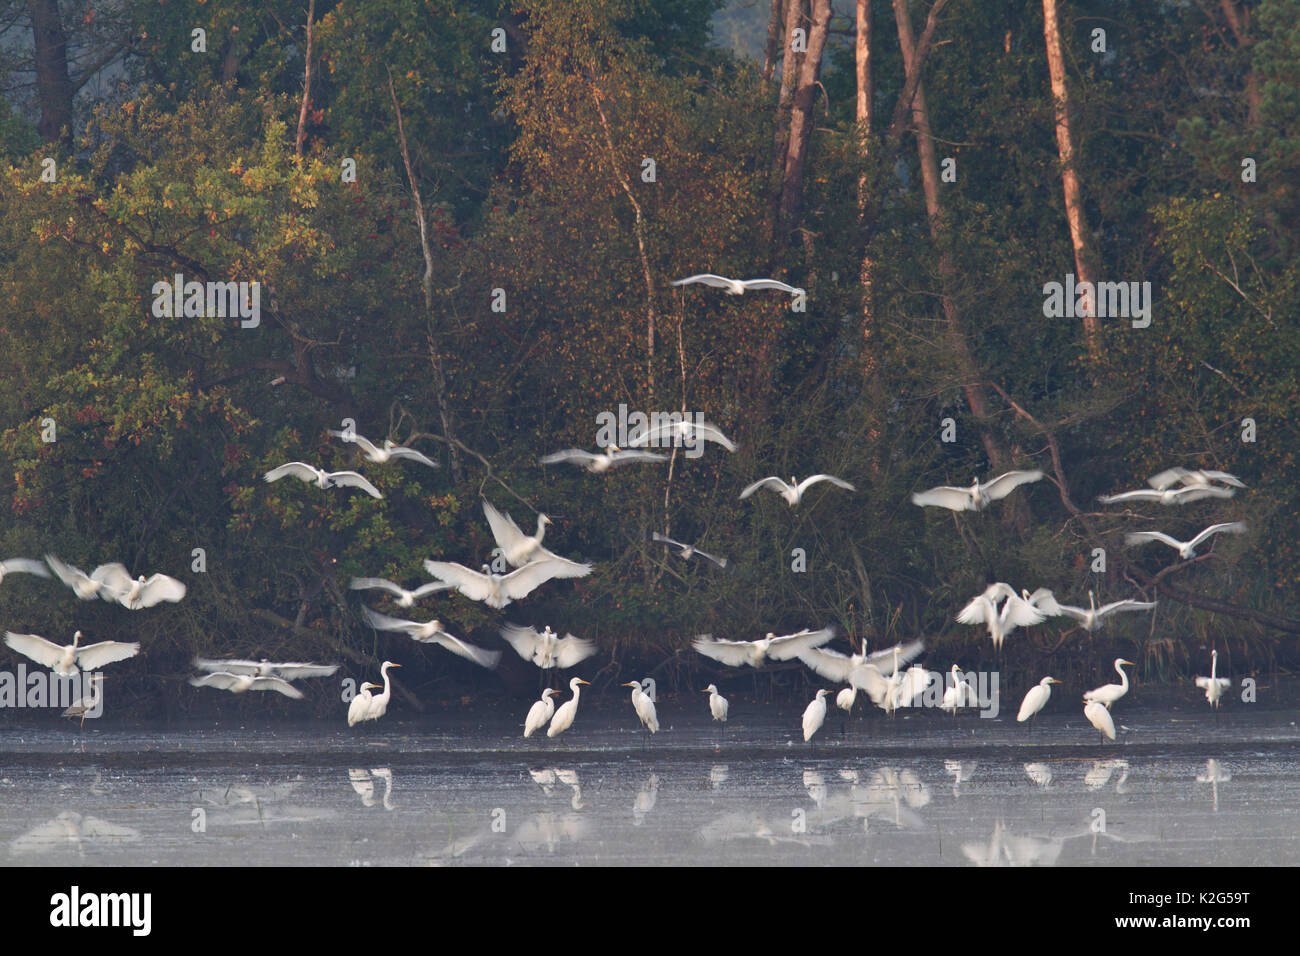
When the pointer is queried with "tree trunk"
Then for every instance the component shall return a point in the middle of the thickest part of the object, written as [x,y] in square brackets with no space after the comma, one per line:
[773,40]
[1239,22]
[1084,257]
[862,62]
[53,84]
[306,84]
[790,61]
[801,120]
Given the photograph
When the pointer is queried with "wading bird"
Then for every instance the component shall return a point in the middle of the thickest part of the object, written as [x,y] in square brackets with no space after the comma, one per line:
[962,693]
[737,286]
[545,649]
[794,491]
[1214,685]
[814,716]
[321,478]
[387,453]
[65,659]
[754,653]
[1107,694]
[609,457]
[687,551]
[1186,549]
[1036,699]
[498,590]
[85,705]
[1100,718]
[360,706]
[718,706]
[377,705]
[540,712]
[565,713]
[977,497]
[404,597]
[643,705]
[431,632]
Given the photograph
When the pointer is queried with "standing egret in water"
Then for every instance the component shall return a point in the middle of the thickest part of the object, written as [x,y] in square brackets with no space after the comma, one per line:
[360,706]
[1107,694]
[1036,699]
[540,712]
[814,716]
[643,705]
[718,706]
[1214,685]
[378,704]
[1099,717]
[565,713]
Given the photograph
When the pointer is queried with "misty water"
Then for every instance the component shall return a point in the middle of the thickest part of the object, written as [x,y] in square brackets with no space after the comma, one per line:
[921,789]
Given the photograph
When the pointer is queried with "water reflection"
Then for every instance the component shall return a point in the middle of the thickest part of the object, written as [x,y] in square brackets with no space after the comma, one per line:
[718,774]
[1005,848]
[363,782]
[1039,773]
[548,778]
[1102,770]
[645,799]
[961,772]
[1215,774]
[70,830]
[753,826]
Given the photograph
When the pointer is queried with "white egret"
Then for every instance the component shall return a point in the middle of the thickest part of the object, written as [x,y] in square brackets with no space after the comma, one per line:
[1107,694]
[85,705]
[754,653]
[687,431]
[737,286]
[498,590]
[687,551]
[404,597]
[518,548]
[1036,699]
[865,671]
[814,715]
[385,454]
[1100,718]
[1092,617]
[846,698]
[86,586]
[1214,685]
[322,479]
[265,668]
[915,680]
[565,713]
[643,705]
[1016,612]
[116,584]
[431,632]
[1169,496]
[23,566]
[377,705]
[540,712]
[962,693]
[545,649]
[793,491]
[360,705]
[1186,549]
[718,705]
[977,497]
[1192,477]
[239,683]
[64,659]
[609,457]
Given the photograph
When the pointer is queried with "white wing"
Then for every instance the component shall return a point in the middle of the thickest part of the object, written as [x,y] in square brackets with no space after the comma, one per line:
[382,622]
[1229,527]
[525,580]
[113,579]
[298,469]
[296,671]
[658,537]
[471,652]
[1003,485]
[789,647]
[1205,682]
[221,680]
[366,584]
[72,577]
[570,454]
[827,663]
[226,667]
[161,588]
[702,430]
[770,284]
[401,451]
[524,640]
[1021,613]
[278,685]
[1142,537]
[838,482]
[1169,477]
[731,653]
[706,278]
[945,496]
[1141,495]
[1066,610]
[883,661]
[504,530]
[570,650]
[1224,477]
[1045,601]
[365,444]
[1129,605]
[25,565]
[627,457]
[979,611]
[46,653]
[772,481]
[351,479]
[1198,492]
[868,678]
[94,656]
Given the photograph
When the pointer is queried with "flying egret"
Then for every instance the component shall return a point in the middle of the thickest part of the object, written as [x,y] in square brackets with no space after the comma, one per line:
[431,632]
[814,715]
[644,706]
[85,705]
[86,586]
[1016,612]
[1192,477]
[1214,685]
[23,566]
[360,706]
[116,584]
[498,590]
[1186,549]
[385,454]
[609,457]
[321,478]
[1093,617]
[239,683]
[1107,694]
[1036,699]
[405,598]
[378,704]
[540,712]
[265,668]
[718,706]
[866,671]
[545,649]
[736,286]
[687,551]
[793,491]
[518,548]
[754,653]
[565,713]
[1100,718]
[686,431]
[64,659]
[1169,496]
[977,497]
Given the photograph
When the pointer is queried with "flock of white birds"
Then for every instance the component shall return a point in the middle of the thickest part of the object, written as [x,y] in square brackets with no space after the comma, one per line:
[877,674]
